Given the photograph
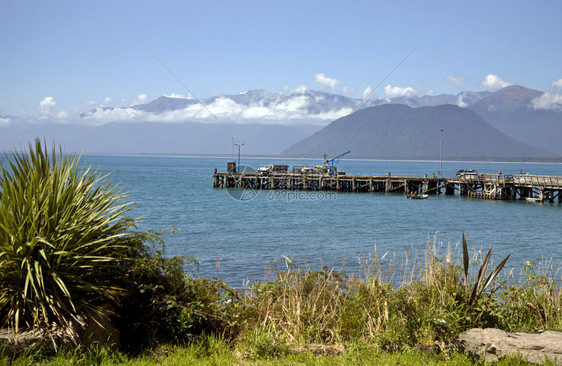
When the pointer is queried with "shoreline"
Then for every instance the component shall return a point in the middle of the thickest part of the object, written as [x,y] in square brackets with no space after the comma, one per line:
[279,157]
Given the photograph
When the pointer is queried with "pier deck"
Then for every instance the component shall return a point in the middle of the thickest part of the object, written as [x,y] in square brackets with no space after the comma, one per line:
[483,186]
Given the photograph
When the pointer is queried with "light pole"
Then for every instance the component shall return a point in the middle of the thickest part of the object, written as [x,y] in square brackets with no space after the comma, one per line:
[441,156]
[238,165]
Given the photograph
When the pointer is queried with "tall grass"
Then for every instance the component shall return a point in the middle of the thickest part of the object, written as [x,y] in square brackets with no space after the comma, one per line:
[532,298]
[429,301]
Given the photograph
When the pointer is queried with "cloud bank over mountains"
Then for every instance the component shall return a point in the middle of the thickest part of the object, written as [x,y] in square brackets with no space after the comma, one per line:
[396,92]
[548,101]
[273,121]
[297,106]
[256,106]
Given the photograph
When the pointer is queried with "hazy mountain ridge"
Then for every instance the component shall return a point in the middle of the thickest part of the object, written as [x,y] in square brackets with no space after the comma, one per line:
[513,111]
[157,138]
[510,98]
[461,99]
[394,131]
[163,104]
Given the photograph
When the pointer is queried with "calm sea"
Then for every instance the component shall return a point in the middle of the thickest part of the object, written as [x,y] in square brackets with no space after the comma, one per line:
[238,240]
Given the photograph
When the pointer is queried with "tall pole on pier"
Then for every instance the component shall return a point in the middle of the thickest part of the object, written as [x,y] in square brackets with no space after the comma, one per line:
[238,165]
[441,156]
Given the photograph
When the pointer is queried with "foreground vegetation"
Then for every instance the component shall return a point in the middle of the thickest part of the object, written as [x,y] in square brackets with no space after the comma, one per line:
[67,252]
[213,351]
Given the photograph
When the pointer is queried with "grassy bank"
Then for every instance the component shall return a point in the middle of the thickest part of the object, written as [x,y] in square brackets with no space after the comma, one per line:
[210,350]
[304,316]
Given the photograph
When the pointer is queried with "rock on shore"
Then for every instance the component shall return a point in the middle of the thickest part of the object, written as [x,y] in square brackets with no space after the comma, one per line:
[493,344]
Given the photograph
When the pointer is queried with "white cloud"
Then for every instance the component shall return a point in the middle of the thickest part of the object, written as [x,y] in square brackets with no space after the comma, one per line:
[118,103]
[301,89]
[557,83]
[494,82]
[47,109]
[367,92]
[62,115]
[460,102]
[93,104]
[47,105]
[256,111]
[396,91]
[221,107]
[181,96]
[293,104]
[347,90]
[4,121]
[548,101]
[141,99]
[129,102]
[326,81]
[103,115]
[333,114]
[456,80]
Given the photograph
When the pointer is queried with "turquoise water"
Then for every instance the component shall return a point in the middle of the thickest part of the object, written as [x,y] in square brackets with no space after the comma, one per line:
[237,240]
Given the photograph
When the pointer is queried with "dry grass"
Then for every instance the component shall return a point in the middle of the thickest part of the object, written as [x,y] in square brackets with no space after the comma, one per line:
[416,298]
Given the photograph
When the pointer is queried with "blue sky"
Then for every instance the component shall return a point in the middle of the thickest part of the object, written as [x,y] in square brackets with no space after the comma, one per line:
[73,55]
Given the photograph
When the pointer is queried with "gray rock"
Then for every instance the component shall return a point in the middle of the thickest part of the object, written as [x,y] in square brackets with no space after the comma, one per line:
[494,344]
[11,345]
[80,330]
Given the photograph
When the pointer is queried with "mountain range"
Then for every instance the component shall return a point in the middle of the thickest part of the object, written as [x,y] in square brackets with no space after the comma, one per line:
[397,131]
[271,123]
[524,114]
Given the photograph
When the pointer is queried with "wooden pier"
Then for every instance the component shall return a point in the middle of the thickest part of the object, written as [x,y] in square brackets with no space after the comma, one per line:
[483,186]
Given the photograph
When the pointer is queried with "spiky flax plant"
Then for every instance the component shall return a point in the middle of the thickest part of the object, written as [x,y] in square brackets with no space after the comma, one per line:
[63,237]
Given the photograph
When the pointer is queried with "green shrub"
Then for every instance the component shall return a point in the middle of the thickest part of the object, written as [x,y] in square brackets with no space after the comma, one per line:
[166,305]
[62,239]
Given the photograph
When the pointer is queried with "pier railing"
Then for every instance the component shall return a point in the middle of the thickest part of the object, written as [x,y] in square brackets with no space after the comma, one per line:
[546,181]
[523,180]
